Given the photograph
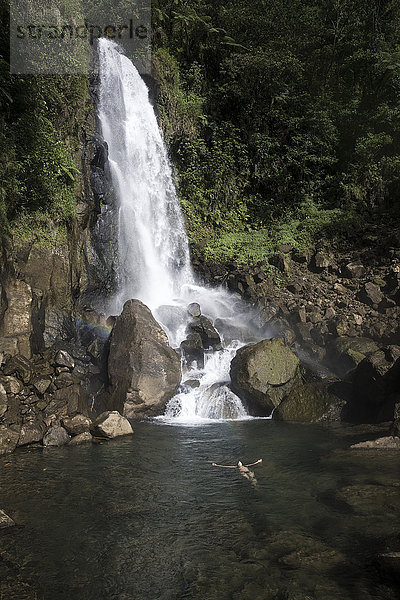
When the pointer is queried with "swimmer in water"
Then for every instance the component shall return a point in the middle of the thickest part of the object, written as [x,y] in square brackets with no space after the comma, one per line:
[243,469]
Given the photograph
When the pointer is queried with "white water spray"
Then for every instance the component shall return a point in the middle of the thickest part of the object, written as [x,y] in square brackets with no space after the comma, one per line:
[153,253]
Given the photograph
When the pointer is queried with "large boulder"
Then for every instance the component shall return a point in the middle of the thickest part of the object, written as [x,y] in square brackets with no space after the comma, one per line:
[376,383]
[345,353]
[311,403]
[144,371]
[263,374]
[111,424]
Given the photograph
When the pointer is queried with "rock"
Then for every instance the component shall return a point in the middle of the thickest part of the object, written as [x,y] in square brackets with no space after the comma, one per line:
[81,438]
[194,309]
[281,328]
[11,384]
[3,400]
[310,403]
[370,294]
[41,385]
[111,424]
[16,326]
[67,402]
[193,350]
[376,381]
[56,436]
[320,262]
[206,330]
[65,380]
[263,374]
[300,256]
[281,262]
[383,443]
[63,359]
[299,314]
[144,371]
[5,520]
[77,424]
[345,353]
[32,431]
[329,313]
[388,564]
[8,438]
[191,383]
[19,365]
[353,270]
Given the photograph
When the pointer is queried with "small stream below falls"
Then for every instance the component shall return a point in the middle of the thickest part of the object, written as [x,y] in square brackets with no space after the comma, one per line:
[147,517]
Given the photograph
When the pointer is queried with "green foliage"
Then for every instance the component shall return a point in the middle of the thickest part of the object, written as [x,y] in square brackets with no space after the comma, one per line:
[295,117]
[298,228]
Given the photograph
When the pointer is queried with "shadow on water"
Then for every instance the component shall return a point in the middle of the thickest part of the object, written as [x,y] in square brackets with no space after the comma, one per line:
[148,517]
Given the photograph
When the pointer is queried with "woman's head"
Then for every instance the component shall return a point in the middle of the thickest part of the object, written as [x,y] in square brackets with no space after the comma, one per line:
[239,464]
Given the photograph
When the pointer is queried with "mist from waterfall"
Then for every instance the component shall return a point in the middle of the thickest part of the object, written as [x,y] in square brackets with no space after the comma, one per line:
[153,252]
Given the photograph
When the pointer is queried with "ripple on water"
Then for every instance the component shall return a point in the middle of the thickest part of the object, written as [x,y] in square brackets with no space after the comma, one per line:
[148,517]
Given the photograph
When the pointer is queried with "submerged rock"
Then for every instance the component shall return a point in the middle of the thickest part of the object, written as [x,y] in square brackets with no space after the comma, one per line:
[383,443]
[144,371]
[263,374]
[111,424]
[5,520]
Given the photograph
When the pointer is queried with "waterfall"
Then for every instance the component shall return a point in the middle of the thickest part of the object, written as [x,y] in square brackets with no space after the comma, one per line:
[153,253]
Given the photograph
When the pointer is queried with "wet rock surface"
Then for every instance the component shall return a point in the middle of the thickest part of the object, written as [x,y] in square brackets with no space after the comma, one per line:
[263,374]
[144,371]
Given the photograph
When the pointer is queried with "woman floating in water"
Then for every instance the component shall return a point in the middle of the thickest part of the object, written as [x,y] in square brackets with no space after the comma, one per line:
[243,470]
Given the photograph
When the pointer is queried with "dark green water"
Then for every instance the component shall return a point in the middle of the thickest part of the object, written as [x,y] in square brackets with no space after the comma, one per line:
[146,517]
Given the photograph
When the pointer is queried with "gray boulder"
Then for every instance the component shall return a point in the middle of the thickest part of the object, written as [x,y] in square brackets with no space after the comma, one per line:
[81,438]
[144,371]
[77,424]
[9,437]
[194,309]
[263,374]
[370,294]
[209,335]
[111,424]
[56,436]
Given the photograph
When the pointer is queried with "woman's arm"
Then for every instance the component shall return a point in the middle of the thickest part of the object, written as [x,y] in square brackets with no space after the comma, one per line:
[254,463]
[224,466]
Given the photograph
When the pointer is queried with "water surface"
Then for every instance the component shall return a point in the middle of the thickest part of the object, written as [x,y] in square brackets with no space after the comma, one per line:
[147,517]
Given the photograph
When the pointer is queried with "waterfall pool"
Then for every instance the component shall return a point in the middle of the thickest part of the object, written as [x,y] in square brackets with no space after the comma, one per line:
[147,517]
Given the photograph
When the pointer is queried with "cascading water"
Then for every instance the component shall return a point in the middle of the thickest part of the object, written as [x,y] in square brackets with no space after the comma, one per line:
[153,253]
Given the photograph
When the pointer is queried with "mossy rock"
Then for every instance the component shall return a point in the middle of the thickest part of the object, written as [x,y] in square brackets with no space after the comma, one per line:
[263,374]
[310,403]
